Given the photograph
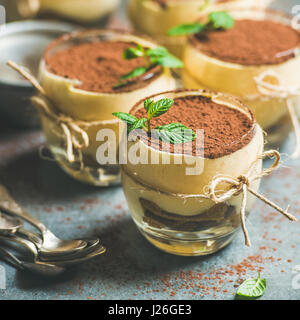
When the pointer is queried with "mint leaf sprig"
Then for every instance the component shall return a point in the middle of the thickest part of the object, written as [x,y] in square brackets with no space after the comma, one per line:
[171,133]
[216,21]
[252,288]
[152,57]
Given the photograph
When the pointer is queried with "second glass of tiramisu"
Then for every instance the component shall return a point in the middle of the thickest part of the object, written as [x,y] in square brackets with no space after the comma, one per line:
[87,76]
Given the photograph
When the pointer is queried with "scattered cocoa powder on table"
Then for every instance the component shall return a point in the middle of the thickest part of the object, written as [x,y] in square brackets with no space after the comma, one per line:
[226,130]
[250,42]
[99,66]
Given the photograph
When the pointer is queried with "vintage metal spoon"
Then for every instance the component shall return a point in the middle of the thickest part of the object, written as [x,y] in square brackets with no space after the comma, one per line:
[9,224]
[92,246]
[98,250]
[94,249]
[12,226]
[43,269]
[38,267]
[51,244]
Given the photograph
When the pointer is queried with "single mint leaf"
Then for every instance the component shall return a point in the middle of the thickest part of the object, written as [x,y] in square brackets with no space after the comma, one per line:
[221,20]
[134,73]
[161,56]
[147,104]
[126,117]
[175,133]
[186,29]
[169,61]
[159,107]
[139,124]
[252,288]
[132,53]
[157,52]
[172,126]
[140,47]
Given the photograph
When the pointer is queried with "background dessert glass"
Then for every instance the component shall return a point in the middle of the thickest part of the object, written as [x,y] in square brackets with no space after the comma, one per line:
[80,11]
[92,108]
[204,71]
[166,203]
[155,18]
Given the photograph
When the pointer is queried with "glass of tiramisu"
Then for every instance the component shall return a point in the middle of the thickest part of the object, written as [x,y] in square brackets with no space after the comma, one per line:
[166,187]
[86,77]
[157,17]
[85,12]
[256,60]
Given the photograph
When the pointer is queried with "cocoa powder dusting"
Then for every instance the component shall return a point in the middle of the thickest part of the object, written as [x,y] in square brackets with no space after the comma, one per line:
[99,66]
[226,130]
[250,42]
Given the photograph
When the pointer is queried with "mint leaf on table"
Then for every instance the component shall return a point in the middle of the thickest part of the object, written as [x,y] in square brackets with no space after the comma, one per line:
[175,133]
[221,20]
[252,288]
[186,29]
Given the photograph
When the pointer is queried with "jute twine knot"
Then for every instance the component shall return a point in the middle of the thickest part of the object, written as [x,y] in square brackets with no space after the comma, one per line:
[242,185]
[282,92]
[76,137]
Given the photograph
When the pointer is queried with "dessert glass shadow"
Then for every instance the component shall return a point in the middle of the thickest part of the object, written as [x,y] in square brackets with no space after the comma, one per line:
[78,74]
[168,202]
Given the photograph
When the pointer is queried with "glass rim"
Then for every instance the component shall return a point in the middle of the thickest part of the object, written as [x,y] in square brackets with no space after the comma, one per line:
[229,101]
[83,36]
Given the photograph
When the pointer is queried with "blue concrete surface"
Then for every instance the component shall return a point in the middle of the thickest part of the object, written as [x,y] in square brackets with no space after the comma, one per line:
[132,268]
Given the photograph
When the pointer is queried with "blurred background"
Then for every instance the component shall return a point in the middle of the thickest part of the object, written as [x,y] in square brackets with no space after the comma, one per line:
[32,24]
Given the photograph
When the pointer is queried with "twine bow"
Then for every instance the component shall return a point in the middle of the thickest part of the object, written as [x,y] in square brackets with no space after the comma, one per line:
[282,92]
[76,137]
[241,185]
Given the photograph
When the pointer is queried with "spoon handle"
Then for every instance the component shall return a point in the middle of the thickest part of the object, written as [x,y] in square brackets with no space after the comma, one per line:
[9,257]
[31,236]
[7,203]
[26,243]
